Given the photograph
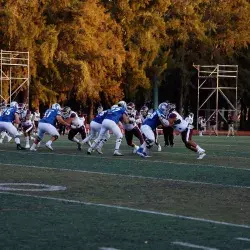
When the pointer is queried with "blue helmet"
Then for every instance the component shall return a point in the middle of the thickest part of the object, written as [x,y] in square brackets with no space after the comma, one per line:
[56,106]
[164,108]
[14,105]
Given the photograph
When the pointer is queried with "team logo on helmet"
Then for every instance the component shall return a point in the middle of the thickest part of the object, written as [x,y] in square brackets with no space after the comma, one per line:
[56,106]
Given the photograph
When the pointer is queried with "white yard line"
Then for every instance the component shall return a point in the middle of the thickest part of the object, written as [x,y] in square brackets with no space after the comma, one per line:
[130,209]
[189,245]
[243,239]
[125,158]
[129,176]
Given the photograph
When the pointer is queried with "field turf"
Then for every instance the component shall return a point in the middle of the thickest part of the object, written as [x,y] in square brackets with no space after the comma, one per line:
[168,201]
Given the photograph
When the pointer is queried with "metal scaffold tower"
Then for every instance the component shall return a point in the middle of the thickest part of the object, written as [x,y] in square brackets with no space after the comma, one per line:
[14,75]
[217,91]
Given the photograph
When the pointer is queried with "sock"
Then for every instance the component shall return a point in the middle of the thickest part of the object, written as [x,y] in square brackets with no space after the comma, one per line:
[49,142]
[75,140]
[17,140]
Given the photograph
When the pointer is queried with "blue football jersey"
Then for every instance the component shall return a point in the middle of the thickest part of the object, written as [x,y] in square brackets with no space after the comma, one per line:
[152,120]
[8,115]
[50,116]
[100,117]
[115,114]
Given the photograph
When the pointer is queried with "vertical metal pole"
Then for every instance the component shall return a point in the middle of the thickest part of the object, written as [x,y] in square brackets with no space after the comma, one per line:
[1,73]
[198,98]
[217,96]
[236,99]
[28,82]
[10,85]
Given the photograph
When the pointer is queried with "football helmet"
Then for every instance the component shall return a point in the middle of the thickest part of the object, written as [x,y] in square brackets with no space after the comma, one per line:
[191,115]
[122,104]
[56,106]
[164,108]
[130,107]
[99,109]
[14,105]
[66,111]
[114,106]
[144,110]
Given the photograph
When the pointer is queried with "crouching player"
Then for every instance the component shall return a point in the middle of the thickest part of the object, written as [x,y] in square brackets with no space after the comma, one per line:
[186,130]
[76,125]
[47,125]
[9,116]
[158,117]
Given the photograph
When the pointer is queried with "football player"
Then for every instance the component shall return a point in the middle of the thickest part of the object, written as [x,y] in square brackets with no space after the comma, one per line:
[114,115]
[95,128]
[9,116]
[26,123]
[76,125]
[158,117]
[131,128]
[186,130]
[47,125]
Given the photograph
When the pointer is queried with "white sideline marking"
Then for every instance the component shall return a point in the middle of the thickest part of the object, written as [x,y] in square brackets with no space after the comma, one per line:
[243,239]
[128,159]
[41,187]
[129,176]
[107,248]
[131,209]
[185,244]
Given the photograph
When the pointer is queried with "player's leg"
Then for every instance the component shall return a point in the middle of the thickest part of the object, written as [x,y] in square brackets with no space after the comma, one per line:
[94,131]
[148,142]
[42,128]
[12,130]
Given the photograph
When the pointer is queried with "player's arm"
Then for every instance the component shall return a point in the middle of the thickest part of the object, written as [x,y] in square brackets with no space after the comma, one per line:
[61,121]
[164,121]
[125,119]
[17,119]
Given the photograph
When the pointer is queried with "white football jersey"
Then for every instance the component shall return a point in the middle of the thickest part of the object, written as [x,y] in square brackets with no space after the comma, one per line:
[183,125]
[132,119]
[77,121]
[190,121]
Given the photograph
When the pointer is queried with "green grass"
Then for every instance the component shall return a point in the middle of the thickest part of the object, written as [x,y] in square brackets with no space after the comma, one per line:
[108,200]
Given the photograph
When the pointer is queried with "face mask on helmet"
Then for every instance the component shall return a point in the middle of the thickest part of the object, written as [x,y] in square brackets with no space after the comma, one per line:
[99,109]
[56,106]
[131,107]
[21,106]
[66,111]
[144,111]
[191,115]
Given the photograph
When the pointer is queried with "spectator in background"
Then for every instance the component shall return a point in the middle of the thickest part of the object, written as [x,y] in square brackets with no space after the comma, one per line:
[213,128]
[36,118]
[230,123]
[201,125]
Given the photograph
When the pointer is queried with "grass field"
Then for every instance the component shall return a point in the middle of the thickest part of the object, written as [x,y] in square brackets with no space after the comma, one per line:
[167,201]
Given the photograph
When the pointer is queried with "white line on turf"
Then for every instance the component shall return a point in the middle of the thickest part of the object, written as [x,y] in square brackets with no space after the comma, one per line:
[185,244]
[128,176]
[107,248]
[130,209]
[243,239]
[126,159]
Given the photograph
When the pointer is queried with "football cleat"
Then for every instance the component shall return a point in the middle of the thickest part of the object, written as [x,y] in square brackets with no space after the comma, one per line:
[9,138]
[79,146]
[19,147]
[117,153]
[89,151]
[49,147]
[201,156]
[159,148]
[27,146]
[99,151]
[135,149]
[33,149]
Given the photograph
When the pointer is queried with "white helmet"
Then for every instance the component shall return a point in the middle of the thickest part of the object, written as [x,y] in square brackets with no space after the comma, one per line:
[56,106]
[14,105]
[122,104]
[114,106]
[99,109]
